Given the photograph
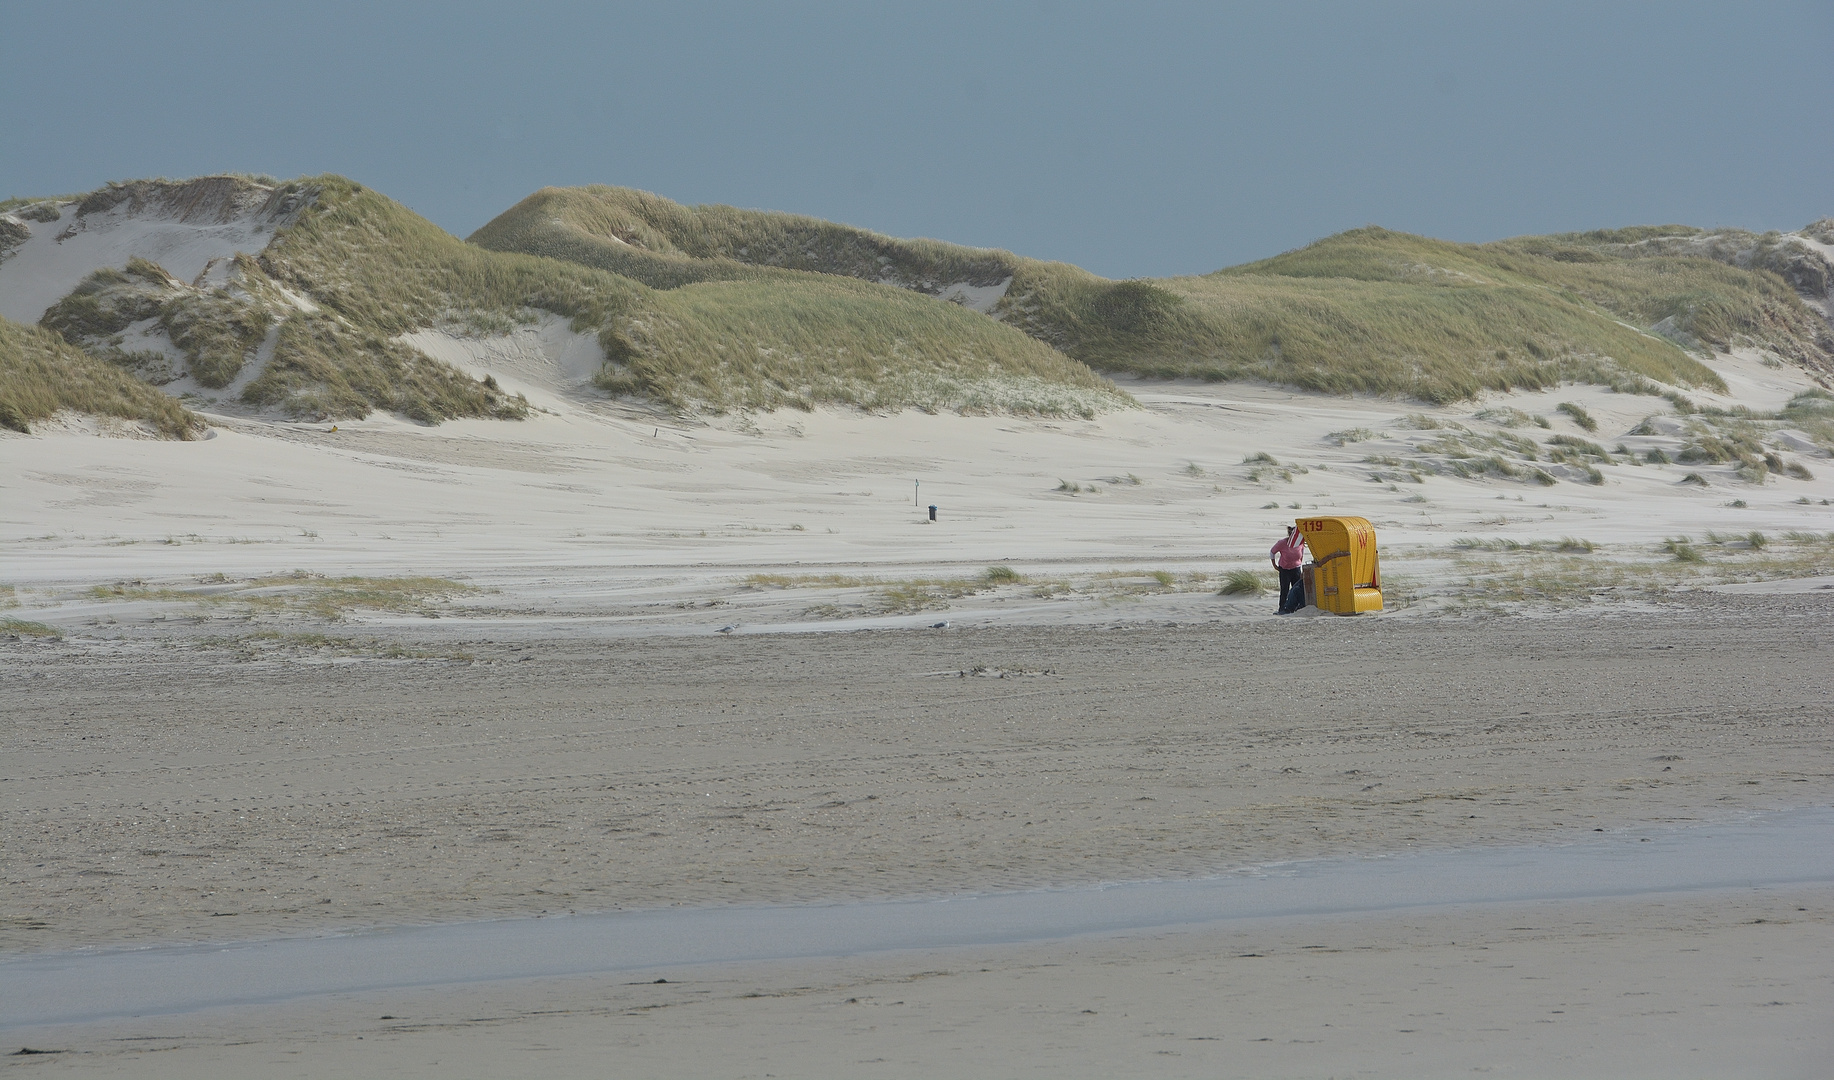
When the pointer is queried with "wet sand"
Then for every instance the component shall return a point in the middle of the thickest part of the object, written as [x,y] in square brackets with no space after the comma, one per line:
[1768,851]
[1731,983]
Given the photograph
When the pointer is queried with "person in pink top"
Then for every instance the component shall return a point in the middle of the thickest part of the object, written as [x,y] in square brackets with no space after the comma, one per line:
[1288,556]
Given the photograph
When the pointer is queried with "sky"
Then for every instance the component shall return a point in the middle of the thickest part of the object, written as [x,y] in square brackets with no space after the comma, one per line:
[1135,139]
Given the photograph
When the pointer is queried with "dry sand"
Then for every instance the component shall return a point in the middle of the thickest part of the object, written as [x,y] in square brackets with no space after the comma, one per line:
[598,519]
[578,736]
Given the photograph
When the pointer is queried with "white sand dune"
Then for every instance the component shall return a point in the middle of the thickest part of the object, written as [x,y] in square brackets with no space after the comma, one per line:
[547,360]
[981,298]
[190,230]
[607,501]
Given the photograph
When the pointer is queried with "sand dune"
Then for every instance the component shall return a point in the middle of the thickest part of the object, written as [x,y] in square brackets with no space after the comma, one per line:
[190,229]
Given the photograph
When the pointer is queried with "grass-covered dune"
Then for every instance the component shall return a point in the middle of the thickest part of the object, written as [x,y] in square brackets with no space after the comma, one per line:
[1375,310]
[278,324]
[1368,310]
[666,244]
[322,308]
[774,343]
[715,308]
[1657,272]
[41,374]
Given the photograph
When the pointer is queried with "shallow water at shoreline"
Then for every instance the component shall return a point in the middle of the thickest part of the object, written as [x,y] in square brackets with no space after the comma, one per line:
[1792,847]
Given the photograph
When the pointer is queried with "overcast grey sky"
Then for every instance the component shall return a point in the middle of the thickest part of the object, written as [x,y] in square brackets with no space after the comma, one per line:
[1131,138]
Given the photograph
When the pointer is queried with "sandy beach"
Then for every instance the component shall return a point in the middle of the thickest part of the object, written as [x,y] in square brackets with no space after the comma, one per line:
[294,681]
[160,793]
[238,798]
[658,542]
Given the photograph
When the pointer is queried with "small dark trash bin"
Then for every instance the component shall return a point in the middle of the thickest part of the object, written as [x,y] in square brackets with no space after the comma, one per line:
[932,511]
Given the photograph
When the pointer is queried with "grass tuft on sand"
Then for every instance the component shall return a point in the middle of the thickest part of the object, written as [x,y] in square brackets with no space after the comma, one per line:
[279,644]
[1578,414]
[23,628]
[1543,574]
[1244,583]
[303,593]
[41,374]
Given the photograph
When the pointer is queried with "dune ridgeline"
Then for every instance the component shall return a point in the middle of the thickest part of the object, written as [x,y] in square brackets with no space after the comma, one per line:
[302,299]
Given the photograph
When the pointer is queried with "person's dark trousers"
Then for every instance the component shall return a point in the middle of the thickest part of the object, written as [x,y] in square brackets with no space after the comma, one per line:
[1292,590]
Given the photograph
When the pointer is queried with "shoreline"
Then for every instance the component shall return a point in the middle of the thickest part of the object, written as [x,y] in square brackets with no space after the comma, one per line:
[1726,982]
[1772,851]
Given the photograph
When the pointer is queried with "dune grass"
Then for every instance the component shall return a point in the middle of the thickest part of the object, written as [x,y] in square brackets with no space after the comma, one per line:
[1383,312]
[763,342]
[1578,414]
[270,644]
[377,270]
[324,365]
[389,270]
[25,628]
[1456,450]
[1742,440]
[370,270]
[1692,295]
[892,596]
[903,597]
[333,598]
[1244,583]
[216,330]
[768,344]
[1660,276]
[1575,449]
[716,308]
[1566,545]
[40,374]
[303,593]
[1505,416]
[1545,573]
[12,234]
[665,244]
[1746,440]
[1365,311]
[807,581]
[20,202]
[1812,412]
